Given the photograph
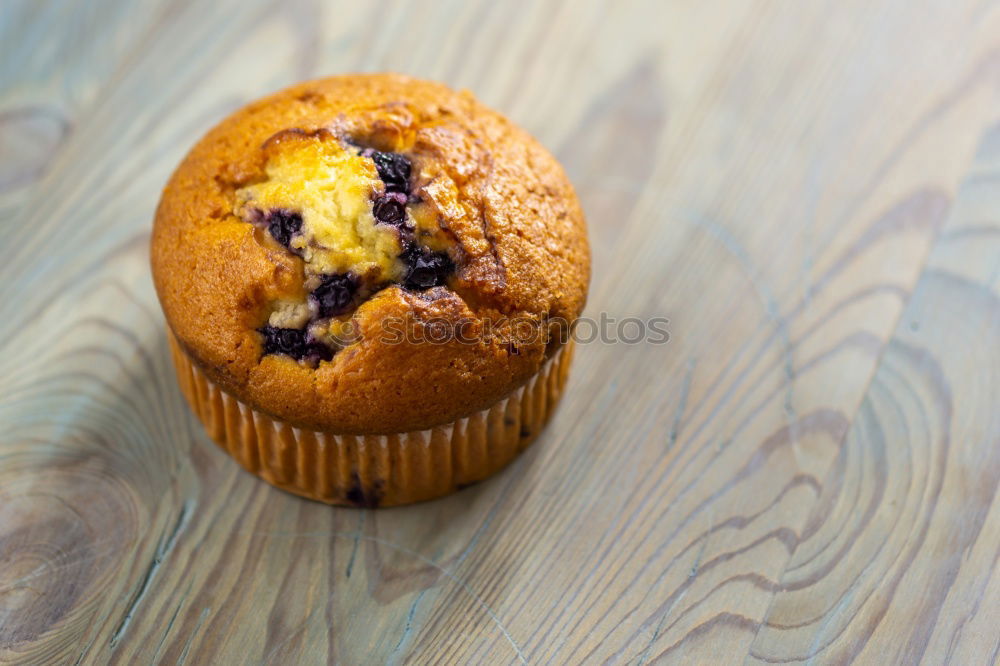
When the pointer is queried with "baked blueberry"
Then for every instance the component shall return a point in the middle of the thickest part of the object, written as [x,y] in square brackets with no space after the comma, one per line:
[426,269]
[294,342]
[335,294]
[283,224]
[317,351]
[389,209]
[289,341]
[393,169]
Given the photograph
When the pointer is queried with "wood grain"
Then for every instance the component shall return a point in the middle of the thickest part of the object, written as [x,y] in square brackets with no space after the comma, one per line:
[807,472]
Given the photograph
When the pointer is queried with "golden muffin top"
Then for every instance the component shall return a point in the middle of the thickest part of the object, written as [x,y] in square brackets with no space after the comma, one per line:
[369,254]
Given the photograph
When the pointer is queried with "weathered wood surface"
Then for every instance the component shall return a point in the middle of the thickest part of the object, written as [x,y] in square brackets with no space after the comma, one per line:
[808,471]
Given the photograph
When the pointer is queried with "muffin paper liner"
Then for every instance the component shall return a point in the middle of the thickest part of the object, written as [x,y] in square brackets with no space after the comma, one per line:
[375,470]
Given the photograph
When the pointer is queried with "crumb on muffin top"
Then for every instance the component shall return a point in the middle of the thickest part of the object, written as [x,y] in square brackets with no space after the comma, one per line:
[307,247]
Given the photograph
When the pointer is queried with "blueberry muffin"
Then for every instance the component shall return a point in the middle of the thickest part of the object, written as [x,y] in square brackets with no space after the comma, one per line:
[369,283]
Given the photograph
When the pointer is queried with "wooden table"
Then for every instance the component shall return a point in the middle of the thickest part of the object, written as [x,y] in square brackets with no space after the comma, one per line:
[807,471]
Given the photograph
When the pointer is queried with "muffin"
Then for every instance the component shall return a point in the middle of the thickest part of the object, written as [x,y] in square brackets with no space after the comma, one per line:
[369,284]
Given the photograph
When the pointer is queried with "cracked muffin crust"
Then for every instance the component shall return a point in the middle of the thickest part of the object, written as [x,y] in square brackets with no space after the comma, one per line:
[301,224]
